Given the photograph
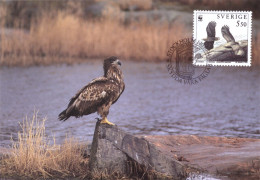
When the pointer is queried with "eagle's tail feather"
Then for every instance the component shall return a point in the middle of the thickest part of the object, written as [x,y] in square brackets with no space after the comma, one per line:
[63,116]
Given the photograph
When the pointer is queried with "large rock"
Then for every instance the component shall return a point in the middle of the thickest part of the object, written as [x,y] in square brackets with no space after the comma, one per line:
[103,9]
[227,52]
[104,155]
[112,149]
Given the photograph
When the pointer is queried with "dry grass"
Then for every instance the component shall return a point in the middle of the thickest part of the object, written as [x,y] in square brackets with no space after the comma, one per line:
[34,156]
[66,37]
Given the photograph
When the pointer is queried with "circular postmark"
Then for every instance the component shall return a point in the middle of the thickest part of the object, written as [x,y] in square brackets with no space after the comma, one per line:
[180,61]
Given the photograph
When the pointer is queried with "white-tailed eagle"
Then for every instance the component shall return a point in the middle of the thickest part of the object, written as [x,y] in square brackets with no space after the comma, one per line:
[99,94]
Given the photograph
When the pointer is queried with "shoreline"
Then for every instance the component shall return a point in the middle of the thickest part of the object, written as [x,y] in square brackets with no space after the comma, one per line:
[70,61]
[225,157]
[75,61]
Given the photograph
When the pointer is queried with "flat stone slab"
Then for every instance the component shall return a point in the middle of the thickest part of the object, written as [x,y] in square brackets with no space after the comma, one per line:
[214,155]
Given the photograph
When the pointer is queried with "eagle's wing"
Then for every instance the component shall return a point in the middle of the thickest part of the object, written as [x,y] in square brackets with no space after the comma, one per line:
[120,94]
[86,101]
[211,29]
[226,34]
[100,79]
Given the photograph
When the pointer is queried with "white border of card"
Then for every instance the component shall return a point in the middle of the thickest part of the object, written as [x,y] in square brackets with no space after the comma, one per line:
[226,36]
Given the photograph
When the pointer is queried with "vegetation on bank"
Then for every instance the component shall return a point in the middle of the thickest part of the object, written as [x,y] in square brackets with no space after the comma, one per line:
[41,32]
[64,38]
[35,155]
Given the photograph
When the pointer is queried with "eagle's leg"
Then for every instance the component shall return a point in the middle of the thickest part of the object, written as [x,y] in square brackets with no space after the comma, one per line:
[103,111]
[105,121]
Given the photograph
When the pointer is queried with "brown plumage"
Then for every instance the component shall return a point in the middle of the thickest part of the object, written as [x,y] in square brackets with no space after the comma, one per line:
[99,94]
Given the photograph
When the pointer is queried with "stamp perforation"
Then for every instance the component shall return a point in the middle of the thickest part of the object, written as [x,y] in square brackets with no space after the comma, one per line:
[249,38]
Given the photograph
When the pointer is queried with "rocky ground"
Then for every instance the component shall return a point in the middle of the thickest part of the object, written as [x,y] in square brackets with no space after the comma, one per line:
[238,158]
[177,156]
[172,156]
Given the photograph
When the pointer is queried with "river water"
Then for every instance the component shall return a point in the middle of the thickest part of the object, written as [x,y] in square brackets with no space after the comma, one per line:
[226,103]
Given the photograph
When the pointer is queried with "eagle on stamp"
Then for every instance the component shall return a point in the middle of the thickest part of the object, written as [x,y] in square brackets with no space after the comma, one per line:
[211,35]
[231,43]
[99,94]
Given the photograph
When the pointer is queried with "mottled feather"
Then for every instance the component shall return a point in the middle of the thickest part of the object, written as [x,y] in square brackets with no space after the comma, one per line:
[98,95]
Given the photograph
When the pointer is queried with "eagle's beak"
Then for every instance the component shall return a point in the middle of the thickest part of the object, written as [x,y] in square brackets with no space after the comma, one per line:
[118,62]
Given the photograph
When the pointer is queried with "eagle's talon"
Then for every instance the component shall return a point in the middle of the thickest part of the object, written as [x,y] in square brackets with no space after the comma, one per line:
[105,121]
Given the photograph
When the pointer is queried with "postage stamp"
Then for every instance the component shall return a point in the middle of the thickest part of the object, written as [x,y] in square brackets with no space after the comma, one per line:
[226,35]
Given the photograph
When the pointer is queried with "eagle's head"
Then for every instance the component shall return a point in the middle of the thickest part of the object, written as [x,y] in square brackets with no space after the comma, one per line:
[111,62]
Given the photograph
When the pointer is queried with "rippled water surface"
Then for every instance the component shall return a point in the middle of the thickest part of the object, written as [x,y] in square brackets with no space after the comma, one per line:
[226,103]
